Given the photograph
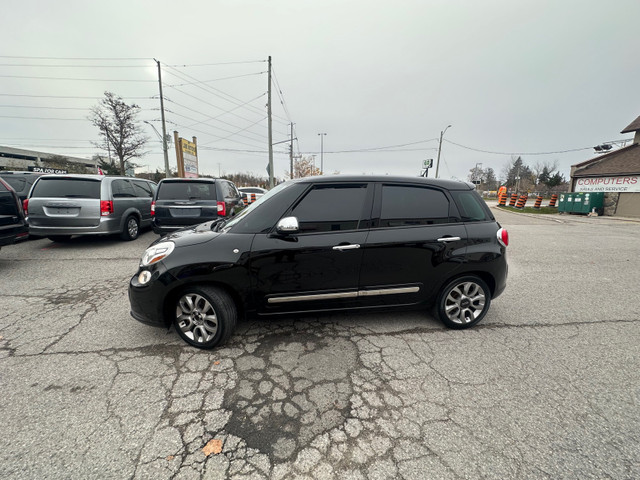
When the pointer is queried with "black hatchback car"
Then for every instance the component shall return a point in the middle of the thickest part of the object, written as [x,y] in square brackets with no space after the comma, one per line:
[327,243]
[13,226]
[181,202]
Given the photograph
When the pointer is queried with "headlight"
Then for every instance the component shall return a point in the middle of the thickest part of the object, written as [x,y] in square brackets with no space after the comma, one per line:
[156,253]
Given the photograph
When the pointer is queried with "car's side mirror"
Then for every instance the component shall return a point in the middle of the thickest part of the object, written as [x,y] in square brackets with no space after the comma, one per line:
[287,225]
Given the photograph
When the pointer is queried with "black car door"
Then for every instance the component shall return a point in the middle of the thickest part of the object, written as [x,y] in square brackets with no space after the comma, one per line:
[318,267]
[416,241]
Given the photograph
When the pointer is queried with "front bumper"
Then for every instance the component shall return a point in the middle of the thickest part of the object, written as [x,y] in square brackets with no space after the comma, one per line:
[147,300]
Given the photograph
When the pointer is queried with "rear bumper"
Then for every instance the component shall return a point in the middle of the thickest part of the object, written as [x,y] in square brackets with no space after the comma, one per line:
[107,226]
[11,235]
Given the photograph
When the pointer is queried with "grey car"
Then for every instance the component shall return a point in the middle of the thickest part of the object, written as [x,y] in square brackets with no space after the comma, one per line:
[59,206]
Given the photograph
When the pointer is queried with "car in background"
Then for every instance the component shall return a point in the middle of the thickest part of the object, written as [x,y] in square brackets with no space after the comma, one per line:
[182,202]
[59,206]
[13,226]
[328,243]
[20,181]
[251,194]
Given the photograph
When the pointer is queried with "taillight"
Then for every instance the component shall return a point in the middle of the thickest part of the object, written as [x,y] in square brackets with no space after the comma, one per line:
[222,209]
[153,208]
[106,207]
[503,237]
[25,206]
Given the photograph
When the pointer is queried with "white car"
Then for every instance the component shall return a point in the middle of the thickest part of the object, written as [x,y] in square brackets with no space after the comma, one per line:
[251,194]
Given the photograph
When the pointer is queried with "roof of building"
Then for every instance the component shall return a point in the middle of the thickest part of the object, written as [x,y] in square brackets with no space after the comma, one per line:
[624,161]
[633,126]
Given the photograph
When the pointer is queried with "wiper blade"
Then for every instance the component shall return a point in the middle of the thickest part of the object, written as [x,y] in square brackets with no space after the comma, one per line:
[217,224]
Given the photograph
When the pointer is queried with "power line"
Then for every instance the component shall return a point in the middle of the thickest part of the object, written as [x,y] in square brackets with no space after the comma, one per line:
[218,79]
[78,79]
[517,153]
[69,96]
[78,58]
[216,64]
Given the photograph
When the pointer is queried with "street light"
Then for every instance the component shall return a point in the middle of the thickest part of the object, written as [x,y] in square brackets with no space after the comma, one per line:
[440,148]
[165,149]
[322,135]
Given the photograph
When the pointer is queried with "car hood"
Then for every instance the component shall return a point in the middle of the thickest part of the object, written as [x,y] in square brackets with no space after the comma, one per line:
[192,235]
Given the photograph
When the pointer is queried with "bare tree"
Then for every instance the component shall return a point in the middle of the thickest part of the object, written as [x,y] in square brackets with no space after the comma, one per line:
[304,167]
[120,133]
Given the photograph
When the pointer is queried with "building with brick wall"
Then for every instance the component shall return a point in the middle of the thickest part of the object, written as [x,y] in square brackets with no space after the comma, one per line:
[616,173]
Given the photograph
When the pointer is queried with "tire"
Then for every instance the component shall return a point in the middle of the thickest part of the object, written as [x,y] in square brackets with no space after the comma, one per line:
[59,238]
[463,302]
[131,229]
[205,317]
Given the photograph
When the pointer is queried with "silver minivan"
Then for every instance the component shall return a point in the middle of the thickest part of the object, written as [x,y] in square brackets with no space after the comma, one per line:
[59,206]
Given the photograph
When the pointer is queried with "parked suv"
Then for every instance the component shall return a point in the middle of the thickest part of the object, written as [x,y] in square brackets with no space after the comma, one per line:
[13,226]
[20,181]
[60,206]
[181,202]
[327,243]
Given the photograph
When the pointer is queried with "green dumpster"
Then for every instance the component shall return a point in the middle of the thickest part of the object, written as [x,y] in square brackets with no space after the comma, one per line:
[593,200]
[562,202]
[578,203]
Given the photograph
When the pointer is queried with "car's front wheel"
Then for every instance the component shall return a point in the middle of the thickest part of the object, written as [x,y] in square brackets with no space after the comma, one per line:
[463,302]
[204,317]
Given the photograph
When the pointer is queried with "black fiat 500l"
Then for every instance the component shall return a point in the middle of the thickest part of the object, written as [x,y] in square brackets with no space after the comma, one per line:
[327,243]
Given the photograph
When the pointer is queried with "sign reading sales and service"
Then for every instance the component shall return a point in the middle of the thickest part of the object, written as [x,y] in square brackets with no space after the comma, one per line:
[627,183]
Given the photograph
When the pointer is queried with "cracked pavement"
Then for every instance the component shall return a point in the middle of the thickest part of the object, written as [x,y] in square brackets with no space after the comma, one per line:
[546,386]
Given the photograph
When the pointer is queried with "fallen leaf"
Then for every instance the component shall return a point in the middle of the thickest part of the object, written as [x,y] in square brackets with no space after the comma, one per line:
[170,457]
[214,446]
[217,362]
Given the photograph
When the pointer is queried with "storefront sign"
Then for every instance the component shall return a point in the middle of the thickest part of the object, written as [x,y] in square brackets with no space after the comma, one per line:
[627,183]
[46,170]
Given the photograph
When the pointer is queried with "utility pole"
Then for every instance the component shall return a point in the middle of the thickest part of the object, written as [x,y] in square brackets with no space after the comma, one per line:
[269,123]
[440,148]
[291,154]
[322,135]
[165,148]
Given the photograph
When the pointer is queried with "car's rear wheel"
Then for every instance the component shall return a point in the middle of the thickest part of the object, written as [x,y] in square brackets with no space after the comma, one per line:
[463,302]
[59,238]
[204,317]
[131,228]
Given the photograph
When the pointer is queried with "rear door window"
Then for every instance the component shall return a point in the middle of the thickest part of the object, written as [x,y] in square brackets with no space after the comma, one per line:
[404,205]
[331,208]
[66,188]
[187,191]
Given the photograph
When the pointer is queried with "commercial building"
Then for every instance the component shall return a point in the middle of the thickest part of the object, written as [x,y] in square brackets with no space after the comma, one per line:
[19,159]
[617,174]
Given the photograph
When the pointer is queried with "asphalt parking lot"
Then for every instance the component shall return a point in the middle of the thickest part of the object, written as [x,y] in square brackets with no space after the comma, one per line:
[546,386]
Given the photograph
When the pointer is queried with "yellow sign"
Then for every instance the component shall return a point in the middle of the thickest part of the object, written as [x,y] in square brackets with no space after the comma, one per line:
[188,147]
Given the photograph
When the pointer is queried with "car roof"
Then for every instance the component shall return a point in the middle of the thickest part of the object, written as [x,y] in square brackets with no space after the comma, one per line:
[210,180]
[439,182]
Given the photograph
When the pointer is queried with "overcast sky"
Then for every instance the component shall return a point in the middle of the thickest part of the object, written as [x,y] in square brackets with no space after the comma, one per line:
[381,78]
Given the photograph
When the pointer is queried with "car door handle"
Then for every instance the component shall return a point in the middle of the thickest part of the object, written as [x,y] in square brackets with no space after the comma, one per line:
[448,239]
[352,246]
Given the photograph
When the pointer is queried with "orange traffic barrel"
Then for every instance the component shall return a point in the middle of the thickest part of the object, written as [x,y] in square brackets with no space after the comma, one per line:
[521,201]
[514,199]
[538,202]
[502,199]
[554,199]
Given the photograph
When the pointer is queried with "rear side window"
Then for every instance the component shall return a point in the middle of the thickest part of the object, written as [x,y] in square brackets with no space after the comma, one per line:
[330,209]
[187,191]
[471,206]
[122,189]
[66,188]
[404,206]
[142,189]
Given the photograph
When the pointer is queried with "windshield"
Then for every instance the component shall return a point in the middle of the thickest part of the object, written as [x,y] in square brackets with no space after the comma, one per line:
[243,214]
